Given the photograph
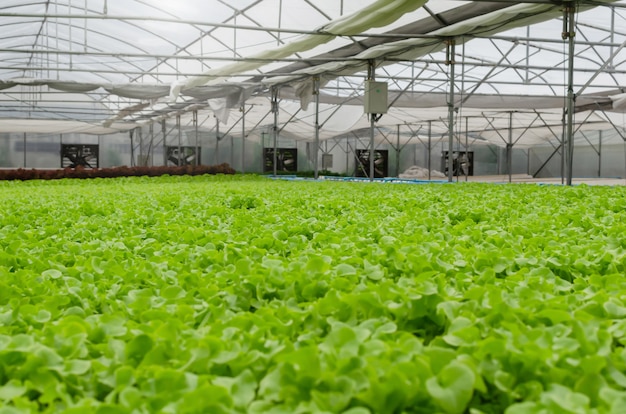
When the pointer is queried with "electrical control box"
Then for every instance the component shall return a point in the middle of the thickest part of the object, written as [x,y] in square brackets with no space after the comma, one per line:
[375,97]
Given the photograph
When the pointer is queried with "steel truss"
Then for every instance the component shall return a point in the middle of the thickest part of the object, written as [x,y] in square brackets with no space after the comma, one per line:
[528,62]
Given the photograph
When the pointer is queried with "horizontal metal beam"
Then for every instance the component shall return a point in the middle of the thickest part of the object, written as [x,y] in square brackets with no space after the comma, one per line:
[468,64]
[202,23]
[144,56]
[155,75]
[172,75]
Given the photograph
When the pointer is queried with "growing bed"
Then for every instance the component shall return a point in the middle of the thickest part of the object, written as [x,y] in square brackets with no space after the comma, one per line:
[246,295]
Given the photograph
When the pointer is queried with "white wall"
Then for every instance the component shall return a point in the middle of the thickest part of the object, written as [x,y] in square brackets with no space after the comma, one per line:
[43,151]
[586,162]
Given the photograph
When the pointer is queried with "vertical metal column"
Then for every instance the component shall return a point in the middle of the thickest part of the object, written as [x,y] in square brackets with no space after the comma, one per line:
[467,160]
[280,22]
[600,154]
[275,128]
[217,141]
[398,153]
[151,152]
[569,20]
[70,30]
[527,77]
[132,147]
[450,51]
[624,159]
[24,143]
[372,147]
[232,151]
[316,91]
[139,160]
[142,148]
[347,155]
[243,138]
[195,128]
[612,35]
[509,149]
[430,130]
[415,155]
[164,132]
[562,146]
[179,139]
[372,77]
[612,49]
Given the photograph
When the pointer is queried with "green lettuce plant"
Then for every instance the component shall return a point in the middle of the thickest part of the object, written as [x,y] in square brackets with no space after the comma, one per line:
[245,295]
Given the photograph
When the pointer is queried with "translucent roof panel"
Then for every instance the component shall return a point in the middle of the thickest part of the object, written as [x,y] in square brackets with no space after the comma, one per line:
[137,61]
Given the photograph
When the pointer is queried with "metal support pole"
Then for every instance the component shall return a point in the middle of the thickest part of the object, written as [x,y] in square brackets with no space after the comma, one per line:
[151,149]
[347,155]
[562,147]
[570,19]
[180,137]
[527,78]
[232,151]
[458,157]
[195,127]
[372,77]
[430,131]
[280,21]
[164,132]
[24,142]
[450,52]
[142,154]
[611,64]
[372,152]
[326,149]
[624,159]
[132,147]
[467,160]
[600,154]
[275,127]
[141,147]
[217,141]
[243,138]
[398,154]
[509,149]
[497,152]
[316,91]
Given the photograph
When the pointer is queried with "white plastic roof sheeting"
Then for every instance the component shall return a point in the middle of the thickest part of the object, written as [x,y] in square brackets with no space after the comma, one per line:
[134,62]
[518,15]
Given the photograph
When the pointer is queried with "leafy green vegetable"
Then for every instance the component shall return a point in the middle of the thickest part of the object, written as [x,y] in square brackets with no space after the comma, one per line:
[245,295]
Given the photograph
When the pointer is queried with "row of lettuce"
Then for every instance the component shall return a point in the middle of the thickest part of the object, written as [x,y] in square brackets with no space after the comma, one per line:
[244,295]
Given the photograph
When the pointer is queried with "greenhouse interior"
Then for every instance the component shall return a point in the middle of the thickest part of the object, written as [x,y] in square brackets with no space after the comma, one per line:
[312,206]
[530,89]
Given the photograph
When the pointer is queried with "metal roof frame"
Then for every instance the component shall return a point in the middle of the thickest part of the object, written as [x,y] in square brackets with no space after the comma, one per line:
[509,71]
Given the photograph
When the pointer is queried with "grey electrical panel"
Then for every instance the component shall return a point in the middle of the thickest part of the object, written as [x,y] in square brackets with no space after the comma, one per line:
[375,97]
[327,161]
